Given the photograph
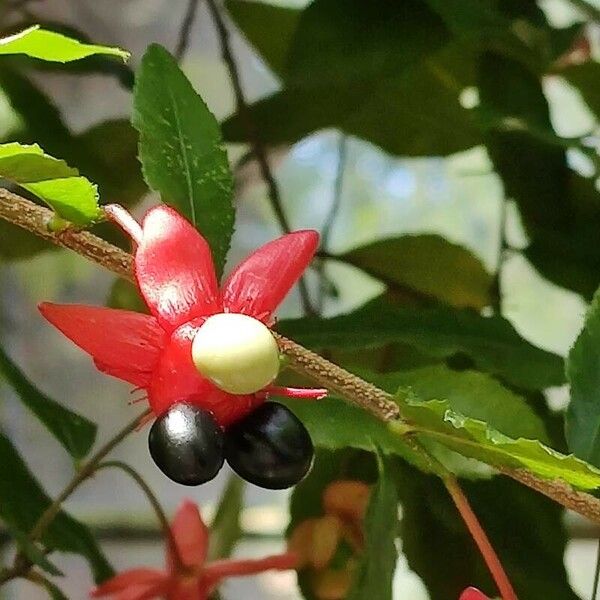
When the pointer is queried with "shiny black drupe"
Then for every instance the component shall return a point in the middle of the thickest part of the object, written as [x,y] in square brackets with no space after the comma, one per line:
[269,447]
[187,444]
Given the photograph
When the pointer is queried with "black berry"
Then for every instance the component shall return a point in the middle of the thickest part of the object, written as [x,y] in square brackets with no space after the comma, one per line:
[270,447]
[187,444]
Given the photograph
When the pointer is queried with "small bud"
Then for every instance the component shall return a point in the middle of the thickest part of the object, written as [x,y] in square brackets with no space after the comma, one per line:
[236,352]
[333,584]
[347,499]
[326,537]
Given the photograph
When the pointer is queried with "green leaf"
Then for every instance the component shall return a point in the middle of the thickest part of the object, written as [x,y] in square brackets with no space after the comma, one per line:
[18,244]
[385,38]
[32,552]
[583,373]
[54,591]
[72,197]
[472,394]
[418,102]
[441,551]
[103,64]
[534,172]
[106,153]
[427,264]
[491,343]
[74,432]
[585,78]
[269,28]
[475,439]
[225,529]
[334,424]
[126,295]
[51,46]
[181,149]
[376,570]
[108,156]
[22,501]
[371,69]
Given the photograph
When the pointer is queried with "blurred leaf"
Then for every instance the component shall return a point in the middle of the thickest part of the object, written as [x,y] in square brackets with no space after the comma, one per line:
[334,425]
[110,150]
[225,529]
[22,501]
[428,264]
[491,343]
[269,28]
[307,497]
[348,41]
[54,591]
[570,259]
[472,394]
[376,570]
[475,439]
[17,244]
[534,172]
[372,69]
[32,552]
[106,153]
[585,78]
[583,373]
[125,295]
[72,197]
[560,210]
[76,433]
[440,550]
[181,149]
[419,103]
[51,46]
[518,31]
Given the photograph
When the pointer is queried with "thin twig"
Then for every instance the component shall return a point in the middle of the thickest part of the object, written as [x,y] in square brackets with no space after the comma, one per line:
[596,574]
[186,28]
[338,185]
[33,218]
[496,291]
[22,564]
[86,471]
[158,509]
[481,539]
[258,147]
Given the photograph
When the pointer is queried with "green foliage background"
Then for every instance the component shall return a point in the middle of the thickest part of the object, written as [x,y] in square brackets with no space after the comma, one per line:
[382,110]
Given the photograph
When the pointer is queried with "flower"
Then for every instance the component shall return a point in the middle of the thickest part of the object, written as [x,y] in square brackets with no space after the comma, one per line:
[187,575]
[472,593]
[329,546]
[175,273]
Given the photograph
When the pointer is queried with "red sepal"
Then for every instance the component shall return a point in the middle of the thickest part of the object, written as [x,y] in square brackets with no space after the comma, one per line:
[259,284]
[174,269]
[122,343]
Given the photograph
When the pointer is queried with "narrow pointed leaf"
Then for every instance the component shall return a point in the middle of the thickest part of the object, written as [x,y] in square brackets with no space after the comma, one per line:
[73,197]
[22,502]
[32,552]
[226,529]
[376,570]
[476,439]
[583,372]
[51,46]
[76,433]
[181,149]
[427,264]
